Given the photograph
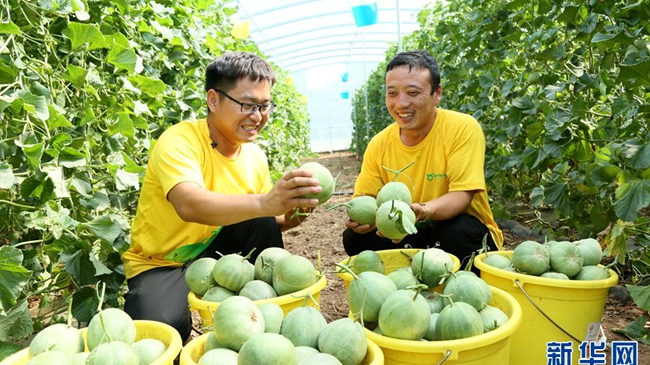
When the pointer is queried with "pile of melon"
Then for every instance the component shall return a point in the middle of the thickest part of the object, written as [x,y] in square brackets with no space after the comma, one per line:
[110,339]
[248,334]
[564,260]
[276,272]
[390,211]
[403,305]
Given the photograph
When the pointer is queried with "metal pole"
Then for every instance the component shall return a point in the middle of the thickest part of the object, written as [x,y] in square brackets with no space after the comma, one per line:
[365,78]
[399,30]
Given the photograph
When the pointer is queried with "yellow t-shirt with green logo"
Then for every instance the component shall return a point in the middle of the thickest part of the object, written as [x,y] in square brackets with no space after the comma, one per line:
[183,153]
[450,158]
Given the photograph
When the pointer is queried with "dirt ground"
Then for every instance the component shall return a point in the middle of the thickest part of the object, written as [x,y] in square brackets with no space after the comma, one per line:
[322,232]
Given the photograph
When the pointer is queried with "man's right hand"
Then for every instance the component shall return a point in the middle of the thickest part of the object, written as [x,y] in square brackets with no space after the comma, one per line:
[288,191]
[360,228]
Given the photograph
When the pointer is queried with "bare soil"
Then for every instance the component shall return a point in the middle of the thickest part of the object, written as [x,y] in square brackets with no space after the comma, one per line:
[321,232]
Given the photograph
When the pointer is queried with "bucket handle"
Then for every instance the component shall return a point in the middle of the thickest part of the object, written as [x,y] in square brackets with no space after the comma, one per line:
[544,314]
[447,354]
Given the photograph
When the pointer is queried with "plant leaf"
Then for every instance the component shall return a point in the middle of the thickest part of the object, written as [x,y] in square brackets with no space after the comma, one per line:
[16,323]
[84,304]
[13,277]
[631,197]
[80,34]
[636,330]
[79,266]
[640,295]
[7,178]
[9,28]
[105,228]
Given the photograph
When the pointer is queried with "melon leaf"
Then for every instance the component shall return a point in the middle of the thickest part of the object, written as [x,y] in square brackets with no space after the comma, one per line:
[636,330]
[640,295]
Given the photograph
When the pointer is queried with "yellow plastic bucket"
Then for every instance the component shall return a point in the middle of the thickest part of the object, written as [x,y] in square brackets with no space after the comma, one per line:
[491,348]
[286,302]
[144,329]
[393,260]
[572,304]
[193,351]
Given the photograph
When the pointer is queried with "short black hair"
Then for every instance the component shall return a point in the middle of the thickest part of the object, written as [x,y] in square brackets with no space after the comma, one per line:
[226,70]
[417,59]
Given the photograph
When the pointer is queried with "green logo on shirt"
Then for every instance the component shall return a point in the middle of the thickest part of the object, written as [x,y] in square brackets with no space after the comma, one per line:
[433,176]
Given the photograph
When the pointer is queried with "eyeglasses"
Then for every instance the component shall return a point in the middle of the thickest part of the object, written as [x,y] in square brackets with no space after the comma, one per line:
[250,108]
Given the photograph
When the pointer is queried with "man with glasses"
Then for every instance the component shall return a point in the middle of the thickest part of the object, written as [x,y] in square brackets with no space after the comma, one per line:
[207,192]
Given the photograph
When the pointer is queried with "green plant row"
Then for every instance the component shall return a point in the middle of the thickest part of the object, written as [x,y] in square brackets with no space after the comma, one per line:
[86,87]
[562,90]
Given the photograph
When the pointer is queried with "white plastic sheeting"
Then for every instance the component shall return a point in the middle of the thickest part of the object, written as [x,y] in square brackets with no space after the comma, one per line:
[318,41]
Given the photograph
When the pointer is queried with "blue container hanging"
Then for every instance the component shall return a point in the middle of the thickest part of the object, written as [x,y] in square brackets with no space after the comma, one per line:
[365,14]
[345,95]
[344,76]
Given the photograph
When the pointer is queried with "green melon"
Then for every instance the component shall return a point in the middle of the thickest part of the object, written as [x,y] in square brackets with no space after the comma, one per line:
[367,293]
[405,315]
[362,209]
[219,356]
[531,257]
[492,317]
[325,180]
[233,271]
[236,320]
[458,320]
[394,190]
[110,324]
[565,258]
[367,260]
[268,349]
[113,353]
[293,273]
[265,262]
[257,290]
[50,358]
[395,220]
[57,337]
[149,350]
[302,326]
[591,251]
[345,340]
[273,316]
[431,266]
[198,275]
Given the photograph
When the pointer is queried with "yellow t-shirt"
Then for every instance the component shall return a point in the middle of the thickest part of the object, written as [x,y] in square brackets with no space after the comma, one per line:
[183,154]
[450,158]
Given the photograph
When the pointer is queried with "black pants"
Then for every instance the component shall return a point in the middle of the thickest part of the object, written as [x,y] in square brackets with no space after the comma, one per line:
[459,236]
[161,294]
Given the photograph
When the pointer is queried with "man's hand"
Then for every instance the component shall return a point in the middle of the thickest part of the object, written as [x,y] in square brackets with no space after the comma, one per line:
[360,228]
[296,216]
[287,192]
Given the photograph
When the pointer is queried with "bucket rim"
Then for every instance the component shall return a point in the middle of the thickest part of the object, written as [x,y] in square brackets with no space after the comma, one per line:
[459,345]
[538,280]
[200,304]
[347,277]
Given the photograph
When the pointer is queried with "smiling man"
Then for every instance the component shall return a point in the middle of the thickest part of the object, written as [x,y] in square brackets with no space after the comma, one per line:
[446,152]
[207,192]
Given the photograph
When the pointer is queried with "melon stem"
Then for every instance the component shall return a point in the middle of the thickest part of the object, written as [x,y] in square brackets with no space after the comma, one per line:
[398,172]
[347,269]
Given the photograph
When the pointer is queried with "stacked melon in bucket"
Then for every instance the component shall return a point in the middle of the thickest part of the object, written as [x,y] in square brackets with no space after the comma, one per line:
[562,290]
[111,338]
[245,333]
[420,310]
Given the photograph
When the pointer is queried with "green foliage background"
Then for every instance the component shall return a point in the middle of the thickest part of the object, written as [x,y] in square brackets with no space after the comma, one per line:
[86,87]
[562,90]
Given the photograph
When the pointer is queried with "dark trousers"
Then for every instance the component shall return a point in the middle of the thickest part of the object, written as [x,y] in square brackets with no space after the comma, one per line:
[161,294]
[459,236]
